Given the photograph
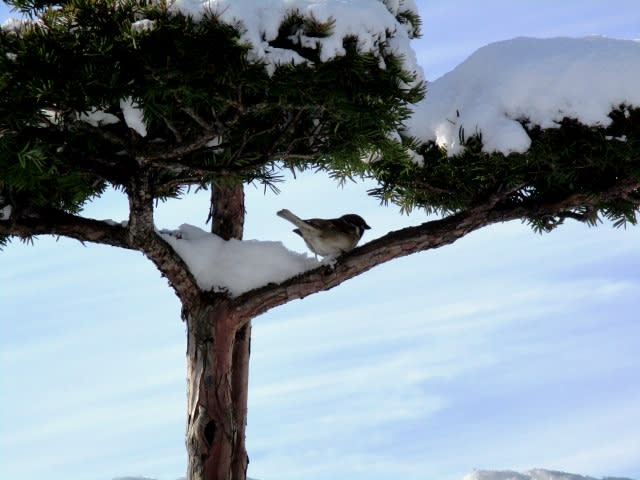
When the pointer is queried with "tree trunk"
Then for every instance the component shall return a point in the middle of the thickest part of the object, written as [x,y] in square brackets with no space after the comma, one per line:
[218,367]
[218,361]
[227,211]
[240,396]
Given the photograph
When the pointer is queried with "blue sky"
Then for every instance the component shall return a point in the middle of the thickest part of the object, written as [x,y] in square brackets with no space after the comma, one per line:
[506,350]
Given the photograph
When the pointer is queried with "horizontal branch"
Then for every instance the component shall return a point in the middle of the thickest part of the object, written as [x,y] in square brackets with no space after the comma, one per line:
[404,242]
[49,221]
[35,221]
[392,245]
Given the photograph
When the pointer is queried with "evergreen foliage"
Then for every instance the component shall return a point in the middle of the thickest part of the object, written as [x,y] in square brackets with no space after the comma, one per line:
[75,74]
[213,116]
[570,159]
[207,108]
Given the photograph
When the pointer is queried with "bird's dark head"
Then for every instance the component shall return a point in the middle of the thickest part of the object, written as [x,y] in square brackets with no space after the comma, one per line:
[356,221]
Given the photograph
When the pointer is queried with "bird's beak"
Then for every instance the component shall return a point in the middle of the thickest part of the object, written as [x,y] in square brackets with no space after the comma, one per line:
[366,227]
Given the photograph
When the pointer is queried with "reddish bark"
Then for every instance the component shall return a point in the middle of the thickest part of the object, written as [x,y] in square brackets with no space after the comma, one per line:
[227,211]
[218,367]
[240,396]
[215,438]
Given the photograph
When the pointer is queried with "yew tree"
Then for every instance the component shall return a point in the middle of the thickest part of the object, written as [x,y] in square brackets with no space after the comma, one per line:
[154,97]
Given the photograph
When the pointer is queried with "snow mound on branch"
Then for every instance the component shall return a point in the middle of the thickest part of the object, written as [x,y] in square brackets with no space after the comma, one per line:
[537,80]
[537,474]
[5,212]
[234,265]
[133,116]
[98,118]
[371,22]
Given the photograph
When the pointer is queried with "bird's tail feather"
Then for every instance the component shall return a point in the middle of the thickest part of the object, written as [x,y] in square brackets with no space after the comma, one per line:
[287,215]
[303,226]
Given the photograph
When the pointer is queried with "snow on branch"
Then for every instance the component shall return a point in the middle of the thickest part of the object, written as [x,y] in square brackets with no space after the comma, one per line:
[531,81]
[235,266]
[378,27]
[375,25]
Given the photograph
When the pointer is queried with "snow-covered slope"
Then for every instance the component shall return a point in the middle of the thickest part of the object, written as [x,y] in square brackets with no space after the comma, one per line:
[536,474]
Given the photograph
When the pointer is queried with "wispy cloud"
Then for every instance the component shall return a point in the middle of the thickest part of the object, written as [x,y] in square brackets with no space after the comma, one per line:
[491,342]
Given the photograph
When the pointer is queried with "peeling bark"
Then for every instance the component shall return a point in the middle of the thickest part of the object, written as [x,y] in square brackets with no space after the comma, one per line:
[218,367]
[227,211]
[215,439]
[240,396]
[142,236]
[140,194]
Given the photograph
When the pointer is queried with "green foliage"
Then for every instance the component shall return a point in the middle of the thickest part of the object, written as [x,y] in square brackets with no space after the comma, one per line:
[215,116]
[210,112]
[572,159]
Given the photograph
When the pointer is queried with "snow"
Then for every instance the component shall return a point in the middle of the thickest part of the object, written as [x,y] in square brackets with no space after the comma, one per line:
[144,25]
[538,80]
[235,266]
[133,116]
[98,118]
[370,22]
[16,25]
[536,474]
[113,223]
[5,212]
[373,23]
[214,142]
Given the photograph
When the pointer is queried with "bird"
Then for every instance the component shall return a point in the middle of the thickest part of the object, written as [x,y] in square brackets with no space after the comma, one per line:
[328,237]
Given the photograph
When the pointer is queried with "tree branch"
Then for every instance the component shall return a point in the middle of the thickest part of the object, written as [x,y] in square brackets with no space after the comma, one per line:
[409,240]
[49,221]
[143,237]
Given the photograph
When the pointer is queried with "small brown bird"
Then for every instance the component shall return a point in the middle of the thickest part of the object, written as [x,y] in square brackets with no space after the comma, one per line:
[328,237]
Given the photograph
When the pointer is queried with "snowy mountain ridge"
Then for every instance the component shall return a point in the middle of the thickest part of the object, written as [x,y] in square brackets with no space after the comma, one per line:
[535,474]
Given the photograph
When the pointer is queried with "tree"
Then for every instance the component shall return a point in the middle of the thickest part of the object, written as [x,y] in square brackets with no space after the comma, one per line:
[132,95]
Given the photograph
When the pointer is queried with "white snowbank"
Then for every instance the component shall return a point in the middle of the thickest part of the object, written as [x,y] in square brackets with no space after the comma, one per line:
[541,80]
[234,265]
[537,474]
